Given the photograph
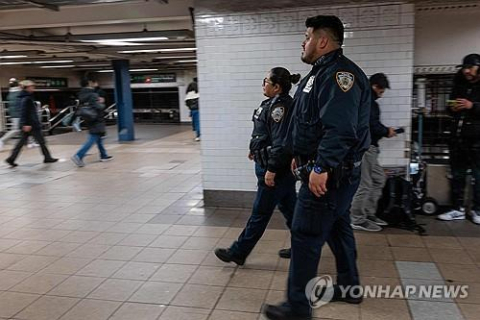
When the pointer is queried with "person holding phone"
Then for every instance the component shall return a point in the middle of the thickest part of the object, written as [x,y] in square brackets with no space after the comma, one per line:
[464,107]
[364,205]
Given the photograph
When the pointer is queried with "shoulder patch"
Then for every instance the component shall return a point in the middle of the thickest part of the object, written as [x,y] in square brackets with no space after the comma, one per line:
[345,80]
[278,113]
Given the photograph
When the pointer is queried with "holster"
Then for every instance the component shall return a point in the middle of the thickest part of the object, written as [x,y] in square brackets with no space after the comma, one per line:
[261,156]
[335,176]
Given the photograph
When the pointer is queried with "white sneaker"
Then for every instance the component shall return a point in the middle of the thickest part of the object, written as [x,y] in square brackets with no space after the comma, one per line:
[475,217]
[453,215]
[1,144]
[197,139]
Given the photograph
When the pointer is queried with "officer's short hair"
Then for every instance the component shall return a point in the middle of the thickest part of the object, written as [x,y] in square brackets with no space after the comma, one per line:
[87,77]
[332,24]
[381,80]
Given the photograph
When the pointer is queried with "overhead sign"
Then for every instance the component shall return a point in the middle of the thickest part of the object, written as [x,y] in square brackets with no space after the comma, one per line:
[47,82]
[157,78]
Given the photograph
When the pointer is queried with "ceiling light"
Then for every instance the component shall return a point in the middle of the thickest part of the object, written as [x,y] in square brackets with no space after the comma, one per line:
[14,63]
[13,57]
[117,43]
[54,61]
[62,66]
[158,50]
[186,61]
[92,65]
[141,70]
[131,70]
[173,57]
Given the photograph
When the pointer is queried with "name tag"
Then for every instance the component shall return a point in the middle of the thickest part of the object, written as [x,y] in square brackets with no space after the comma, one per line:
[309,85]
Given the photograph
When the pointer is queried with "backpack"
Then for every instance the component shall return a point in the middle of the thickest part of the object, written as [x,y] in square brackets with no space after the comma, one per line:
[395,205]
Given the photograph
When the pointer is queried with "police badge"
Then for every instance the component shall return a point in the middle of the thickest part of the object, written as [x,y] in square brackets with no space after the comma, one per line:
[277,114]
[345,80]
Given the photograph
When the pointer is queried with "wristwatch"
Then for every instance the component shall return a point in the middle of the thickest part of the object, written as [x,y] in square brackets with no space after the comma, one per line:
[318,169]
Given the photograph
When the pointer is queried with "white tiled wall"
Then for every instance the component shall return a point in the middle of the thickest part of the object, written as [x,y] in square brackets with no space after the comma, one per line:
[235,51]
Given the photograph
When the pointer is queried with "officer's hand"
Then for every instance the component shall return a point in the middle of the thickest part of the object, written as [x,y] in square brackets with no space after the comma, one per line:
[464,104]
[250,156]
[391,133]
[270,179]
[293,166]
[27,128]
[317,183]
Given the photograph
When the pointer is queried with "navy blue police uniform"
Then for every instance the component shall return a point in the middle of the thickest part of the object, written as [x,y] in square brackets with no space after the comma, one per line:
[271,122]
[330,132]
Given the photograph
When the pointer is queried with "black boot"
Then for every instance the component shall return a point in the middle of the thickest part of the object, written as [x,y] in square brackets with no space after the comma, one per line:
[11,162]
[338,297]
[282,312]
[50,160]
[227,256]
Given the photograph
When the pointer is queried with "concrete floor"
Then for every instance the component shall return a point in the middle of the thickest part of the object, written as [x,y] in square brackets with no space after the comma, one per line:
[131,239]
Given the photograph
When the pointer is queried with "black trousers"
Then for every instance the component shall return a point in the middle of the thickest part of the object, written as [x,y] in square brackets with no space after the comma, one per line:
[464,155]
[38,136]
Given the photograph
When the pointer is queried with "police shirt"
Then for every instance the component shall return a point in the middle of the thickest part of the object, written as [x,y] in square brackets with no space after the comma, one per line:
[270,125]
[332,110]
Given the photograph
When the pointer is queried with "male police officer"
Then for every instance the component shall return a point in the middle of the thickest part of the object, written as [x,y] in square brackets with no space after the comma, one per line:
[330,135]
[465,140]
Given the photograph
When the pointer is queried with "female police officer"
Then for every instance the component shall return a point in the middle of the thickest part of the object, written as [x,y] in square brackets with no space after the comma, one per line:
[276,183]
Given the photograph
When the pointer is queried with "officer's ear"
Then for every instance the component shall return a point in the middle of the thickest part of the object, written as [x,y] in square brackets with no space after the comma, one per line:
[323,39]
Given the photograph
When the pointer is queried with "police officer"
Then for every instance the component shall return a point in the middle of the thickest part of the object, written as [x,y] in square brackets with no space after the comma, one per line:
[330,136]
[465,140]
[276,183]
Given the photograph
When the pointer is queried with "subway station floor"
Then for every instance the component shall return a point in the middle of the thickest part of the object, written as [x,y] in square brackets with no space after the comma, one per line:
[131,239]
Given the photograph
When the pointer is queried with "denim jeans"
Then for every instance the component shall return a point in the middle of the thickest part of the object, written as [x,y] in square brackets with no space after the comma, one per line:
[196,122]
[93,138]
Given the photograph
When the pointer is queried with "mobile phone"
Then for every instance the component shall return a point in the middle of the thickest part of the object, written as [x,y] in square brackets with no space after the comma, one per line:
[452,103]
[399,130]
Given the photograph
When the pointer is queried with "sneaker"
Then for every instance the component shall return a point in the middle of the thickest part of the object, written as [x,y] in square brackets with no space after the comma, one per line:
[32,145]
[475,216]
[197,139]
[79,162]
[227,256]
[107,158]
[367,225]
[377,221]
[11,163]
[285,253]
[1,144]
[50,160]
[453,215]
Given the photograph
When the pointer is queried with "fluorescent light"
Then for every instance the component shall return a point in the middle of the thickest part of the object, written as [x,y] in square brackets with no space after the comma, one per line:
[54,61]
[131,70]
[141,70]
[62,66]
[118,43]
[14,63]
[12,57]
[91,65]
[158,50]
[176,57]
[186,61]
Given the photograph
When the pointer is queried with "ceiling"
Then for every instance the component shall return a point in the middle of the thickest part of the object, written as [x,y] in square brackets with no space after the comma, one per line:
[87,35]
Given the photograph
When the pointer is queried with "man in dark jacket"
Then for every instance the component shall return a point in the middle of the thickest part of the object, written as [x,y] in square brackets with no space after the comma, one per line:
[465,139]
[364,205]
[29,123]
[96,127]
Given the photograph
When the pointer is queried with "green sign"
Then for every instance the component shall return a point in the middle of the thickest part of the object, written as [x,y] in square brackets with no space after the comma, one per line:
[46,82]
